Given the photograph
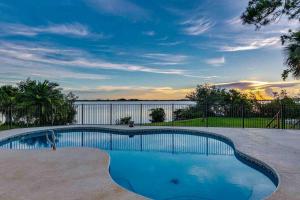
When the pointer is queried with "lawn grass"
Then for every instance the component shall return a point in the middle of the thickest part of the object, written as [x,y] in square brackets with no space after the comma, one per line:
[203,122]
[218,122]
[4,127]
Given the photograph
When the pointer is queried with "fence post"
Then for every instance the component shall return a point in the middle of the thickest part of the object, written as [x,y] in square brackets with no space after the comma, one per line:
[172,115]
[282,116]
[206,114]
[27,118]
[10,117]
[52,120]
[110,114]
[141,115]
[82,109]
[243,115]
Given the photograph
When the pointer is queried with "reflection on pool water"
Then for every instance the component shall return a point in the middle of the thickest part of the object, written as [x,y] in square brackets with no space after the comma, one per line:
[168,165]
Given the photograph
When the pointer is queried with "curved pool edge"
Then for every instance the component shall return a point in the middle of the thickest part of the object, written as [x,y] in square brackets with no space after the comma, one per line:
[240,153]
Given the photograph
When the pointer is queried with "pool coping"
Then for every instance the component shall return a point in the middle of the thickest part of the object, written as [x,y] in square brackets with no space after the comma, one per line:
[216,132]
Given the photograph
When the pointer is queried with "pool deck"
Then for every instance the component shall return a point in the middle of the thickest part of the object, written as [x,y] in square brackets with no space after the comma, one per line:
[82,173]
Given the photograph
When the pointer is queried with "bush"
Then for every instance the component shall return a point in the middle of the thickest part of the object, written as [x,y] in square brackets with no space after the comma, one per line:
[188,113]
[125,120]
[36,103]
[157,115]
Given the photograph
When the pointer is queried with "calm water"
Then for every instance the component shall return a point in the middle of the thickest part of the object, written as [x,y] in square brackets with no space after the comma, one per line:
[171,165]
[109,112]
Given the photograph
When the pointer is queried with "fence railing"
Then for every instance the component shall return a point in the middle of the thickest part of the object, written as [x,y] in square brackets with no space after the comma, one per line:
[189,114]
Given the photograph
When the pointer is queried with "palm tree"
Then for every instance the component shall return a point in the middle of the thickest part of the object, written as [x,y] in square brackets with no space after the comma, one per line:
[8,96]
[40,99]
[292,53]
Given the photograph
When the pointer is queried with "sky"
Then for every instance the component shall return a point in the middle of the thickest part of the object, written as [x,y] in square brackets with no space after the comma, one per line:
[159,49]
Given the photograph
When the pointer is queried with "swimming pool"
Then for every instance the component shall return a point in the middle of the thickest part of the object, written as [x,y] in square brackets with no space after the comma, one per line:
[165,164]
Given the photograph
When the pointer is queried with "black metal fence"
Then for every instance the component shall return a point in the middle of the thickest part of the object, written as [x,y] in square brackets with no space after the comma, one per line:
[262,115]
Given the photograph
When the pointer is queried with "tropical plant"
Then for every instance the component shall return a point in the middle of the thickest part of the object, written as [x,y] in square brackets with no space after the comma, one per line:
[292,54]
[264,12]
[125,120]
[37,102]
[8,96]
[157,115]
[190,112]
[40,99]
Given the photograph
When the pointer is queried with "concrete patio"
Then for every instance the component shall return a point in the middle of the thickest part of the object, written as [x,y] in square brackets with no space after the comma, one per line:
[82,173]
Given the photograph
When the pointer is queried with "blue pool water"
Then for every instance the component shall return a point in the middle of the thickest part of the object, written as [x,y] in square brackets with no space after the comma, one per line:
[168,165]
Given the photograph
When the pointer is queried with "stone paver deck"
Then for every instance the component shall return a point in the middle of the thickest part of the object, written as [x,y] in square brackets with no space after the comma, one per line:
[82,173]
[64,174]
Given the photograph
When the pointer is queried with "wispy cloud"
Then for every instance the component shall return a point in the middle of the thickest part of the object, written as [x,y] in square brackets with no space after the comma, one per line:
[197,25]
[124,8]
[235,21]
[166,59]
[149,33]
[251,44]
[75,30]
[101,64]
[200,76]
[263,88]
[216,61]
[73,58]
[170,43]
[19,71]
[19,62]
[277,28]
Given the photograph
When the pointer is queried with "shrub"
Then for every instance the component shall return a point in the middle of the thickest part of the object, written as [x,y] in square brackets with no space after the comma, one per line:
[36,103]
[157,115]
[125,120]
[188,113]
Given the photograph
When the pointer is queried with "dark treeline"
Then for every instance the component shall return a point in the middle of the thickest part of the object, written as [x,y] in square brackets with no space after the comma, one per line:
[214,101]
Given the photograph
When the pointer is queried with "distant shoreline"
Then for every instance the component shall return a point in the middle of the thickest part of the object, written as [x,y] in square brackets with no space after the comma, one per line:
[132,100]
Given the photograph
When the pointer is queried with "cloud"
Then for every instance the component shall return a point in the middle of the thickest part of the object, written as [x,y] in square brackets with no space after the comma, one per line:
[124,8]
[241,37]
[216,61]
[251,44]
[75,30]
[200,76]
[11,69]
[19,62]
[277,28]
[262,88]
[170,43]
[235,21]
[149,33]
[166,59]
[197,25]
[72,58]
[102,64]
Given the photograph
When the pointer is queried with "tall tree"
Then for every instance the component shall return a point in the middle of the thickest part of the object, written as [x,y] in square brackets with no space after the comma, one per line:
[263,12]
[8,95]
[36,103]
[38,99]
